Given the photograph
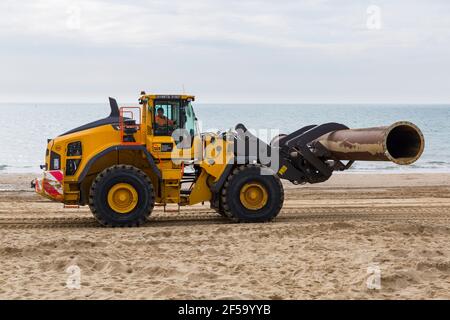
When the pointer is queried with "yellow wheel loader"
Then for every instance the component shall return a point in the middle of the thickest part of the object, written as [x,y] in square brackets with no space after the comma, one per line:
[139,157]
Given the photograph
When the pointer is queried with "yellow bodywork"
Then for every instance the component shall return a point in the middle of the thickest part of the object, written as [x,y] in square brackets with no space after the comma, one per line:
[102,147]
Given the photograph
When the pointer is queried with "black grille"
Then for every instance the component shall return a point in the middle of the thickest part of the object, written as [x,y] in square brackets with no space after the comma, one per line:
[74,149]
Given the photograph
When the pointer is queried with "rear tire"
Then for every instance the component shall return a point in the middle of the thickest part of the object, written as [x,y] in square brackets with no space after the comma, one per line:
[251,196]
[121,196]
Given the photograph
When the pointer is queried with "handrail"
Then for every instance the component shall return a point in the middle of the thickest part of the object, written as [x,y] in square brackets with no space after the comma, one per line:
[129,138]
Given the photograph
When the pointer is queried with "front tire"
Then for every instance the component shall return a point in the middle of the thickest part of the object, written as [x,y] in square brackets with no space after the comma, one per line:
[252,195]
[121,196]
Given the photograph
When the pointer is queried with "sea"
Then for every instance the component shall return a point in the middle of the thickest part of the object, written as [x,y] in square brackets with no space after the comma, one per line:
[25,128]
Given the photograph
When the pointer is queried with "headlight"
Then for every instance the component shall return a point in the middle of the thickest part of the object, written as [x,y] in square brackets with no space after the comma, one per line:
[55,161]
[74,149]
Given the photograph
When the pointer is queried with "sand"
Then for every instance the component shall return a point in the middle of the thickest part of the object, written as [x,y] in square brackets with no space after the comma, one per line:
[321,246]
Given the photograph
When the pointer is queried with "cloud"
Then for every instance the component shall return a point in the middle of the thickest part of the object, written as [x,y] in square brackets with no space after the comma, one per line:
[238,50]
[325,25]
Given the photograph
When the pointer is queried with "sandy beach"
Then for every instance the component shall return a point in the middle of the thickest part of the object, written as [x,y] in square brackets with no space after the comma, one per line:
[321,246]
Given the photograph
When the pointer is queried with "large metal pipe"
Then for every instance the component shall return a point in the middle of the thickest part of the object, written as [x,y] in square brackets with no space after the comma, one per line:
[401,143]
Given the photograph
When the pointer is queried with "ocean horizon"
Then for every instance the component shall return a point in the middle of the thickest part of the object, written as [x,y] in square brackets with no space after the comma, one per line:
[25,127]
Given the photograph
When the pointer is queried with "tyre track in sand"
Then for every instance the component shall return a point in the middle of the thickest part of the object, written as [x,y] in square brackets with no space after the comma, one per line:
[202,217]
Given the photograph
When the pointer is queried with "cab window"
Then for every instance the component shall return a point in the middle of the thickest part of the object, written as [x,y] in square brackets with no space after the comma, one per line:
[189,117]
[166,117]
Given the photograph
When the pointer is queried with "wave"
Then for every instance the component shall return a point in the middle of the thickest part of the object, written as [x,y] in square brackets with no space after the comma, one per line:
[429,167]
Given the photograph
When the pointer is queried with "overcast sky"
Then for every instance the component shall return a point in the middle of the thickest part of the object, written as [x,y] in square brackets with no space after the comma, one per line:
[226,50]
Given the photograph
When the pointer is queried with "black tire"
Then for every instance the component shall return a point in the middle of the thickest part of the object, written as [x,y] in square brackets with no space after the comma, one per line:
[243,175]
[220,210]
[105,180]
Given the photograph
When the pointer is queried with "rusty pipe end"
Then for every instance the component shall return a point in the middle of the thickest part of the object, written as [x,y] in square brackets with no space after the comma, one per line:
[404,142]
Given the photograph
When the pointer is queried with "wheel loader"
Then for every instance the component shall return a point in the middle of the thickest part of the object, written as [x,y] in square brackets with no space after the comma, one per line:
[153,154]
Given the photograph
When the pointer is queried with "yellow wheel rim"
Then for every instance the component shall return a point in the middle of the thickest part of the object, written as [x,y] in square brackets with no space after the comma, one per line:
[122,198]
[253,196]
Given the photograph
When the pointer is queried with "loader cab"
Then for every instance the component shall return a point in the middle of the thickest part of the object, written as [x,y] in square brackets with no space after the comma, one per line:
[171,125]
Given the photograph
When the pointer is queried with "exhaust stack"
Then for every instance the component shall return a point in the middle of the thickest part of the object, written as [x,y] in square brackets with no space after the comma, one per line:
[401,143]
